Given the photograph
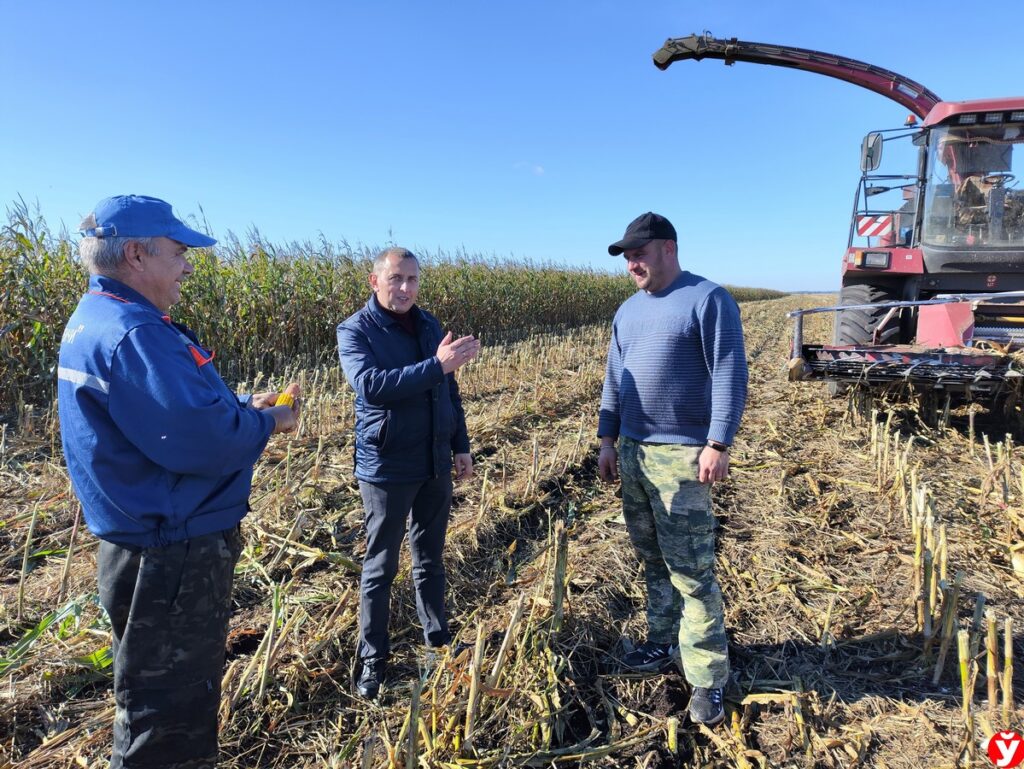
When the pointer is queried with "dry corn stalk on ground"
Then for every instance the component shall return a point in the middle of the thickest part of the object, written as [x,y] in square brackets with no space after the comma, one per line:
[816,559]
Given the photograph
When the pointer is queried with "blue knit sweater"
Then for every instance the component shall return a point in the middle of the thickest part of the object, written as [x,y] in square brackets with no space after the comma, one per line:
[677,371]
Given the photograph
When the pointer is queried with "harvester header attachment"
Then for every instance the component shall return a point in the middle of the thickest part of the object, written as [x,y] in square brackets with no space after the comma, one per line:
[966,344]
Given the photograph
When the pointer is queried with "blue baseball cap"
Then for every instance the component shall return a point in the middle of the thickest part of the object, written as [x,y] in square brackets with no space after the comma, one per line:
[140,216]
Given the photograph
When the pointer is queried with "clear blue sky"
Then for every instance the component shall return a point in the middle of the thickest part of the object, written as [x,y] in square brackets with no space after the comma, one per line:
[535,129]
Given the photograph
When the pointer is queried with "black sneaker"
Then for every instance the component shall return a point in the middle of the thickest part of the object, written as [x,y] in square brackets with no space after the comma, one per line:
[706,706]
[650,656]
[371,677]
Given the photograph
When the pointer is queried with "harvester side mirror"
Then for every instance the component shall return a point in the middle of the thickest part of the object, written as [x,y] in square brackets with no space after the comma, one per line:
[871,152]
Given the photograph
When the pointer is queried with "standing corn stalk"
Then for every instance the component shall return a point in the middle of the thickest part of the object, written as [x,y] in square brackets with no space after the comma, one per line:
[1007,672]
[561,564]
[991,663]
[474,689]
[967,691]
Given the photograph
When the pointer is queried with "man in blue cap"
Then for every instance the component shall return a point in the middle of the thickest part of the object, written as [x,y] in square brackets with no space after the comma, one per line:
[160,453]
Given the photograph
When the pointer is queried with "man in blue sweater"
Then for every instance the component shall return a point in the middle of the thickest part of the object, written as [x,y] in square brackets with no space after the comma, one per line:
[160,454]
[410,427]
[674,393]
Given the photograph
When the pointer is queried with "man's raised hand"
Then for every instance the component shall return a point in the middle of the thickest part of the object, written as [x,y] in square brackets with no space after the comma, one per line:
[454,354]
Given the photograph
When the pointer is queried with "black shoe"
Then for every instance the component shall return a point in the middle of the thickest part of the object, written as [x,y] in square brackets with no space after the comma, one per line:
[650,656]
[706,706]
[371,677]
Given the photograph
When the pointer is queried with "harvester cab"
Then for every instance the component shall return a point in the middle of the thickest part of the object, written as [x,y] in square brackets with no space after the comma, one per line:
[932,277]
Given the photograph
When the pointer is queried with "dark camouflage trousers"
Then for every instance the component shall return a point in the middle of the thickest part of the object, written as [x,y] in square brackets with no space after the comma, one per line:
[668,515]
[169,609]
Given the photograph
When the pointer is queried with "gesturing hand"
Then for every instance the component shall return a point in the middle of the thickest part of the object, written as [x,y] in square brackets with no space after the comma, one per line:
[455,354]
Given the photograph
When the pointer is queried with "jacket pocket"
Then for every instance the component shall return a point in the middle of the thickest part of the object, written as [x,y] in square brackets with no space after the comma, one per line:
[374,429]
[384,431]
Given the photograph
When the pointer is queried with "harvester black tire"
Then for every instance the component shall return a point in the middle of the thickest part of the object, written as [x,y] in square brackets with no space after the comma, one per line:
[858,326]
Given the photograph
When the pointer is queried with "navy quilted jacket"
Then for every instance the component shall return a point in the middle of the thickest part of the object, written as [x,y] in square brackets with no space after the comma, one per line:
[409,417]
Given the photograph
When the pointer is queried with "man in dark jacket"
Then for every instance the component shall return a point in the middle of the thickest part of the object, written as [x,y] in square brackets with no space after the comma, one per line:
[160,453]
[409,424]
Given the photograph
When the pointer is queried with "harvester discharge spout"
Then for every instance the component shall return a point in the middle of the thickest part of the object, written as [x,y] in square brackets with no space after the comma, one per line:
[892,85]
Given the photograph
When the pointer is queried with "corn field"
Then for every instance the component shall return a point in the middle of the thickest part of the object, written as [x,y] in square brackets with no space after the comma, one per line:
[263,307]
[872,567]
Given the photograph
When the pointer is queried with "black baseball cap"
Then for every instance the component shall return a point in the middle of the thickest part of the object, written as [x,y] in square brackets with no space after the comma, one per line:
[644,228]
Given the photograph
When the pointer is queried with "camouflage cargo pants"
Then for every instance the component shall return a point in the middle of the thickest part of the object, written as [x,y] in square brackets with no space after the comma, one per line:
[169,609]
[668,515]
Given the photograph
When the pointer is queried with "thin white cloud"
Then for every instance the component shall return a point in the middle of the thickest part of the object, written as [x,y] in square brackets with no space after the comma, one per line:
[534,168]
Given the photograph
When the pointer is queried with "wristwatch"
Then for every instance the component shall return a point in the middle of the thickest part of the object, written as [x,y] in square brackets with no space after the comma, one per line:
[718,446]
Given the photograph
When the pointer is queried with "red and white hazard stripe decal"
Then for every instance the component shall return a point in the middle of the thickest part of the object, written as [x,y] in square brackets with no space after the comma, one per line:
[873,226]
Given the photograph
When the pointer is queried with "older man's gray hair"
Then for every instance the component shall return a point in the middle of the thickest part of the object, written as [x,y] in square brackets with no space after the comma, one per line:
[400,254]
[104,256]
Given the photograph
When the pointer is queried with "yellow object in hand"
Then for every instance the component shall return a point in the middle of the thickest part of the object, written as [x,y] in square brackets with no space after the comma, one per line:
[287,398]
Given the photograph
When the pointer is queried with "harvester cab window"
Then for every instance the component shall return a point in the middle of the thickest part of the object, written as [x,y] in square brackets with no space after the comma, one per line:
[886,201]
[973,199]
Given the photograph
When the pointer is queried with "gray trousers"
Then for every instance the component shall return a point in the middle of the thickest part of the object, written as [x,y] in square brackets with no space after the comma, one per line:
[169,609]
[388,507]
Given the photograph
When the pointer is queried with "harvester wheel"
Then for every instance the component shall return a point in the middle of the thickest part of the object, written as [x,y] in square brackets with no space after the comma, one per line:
[858,326]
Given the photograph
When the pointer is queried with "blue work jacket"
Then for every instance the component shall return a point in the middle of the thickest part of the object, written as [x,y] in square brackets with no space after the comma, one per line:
[158,448]
[409,417]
